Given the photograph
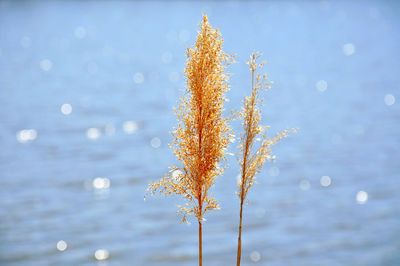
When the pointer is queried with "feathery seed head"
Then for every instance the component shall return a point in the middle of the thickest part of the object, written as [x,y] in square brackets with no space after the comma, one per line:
[202,133]
[252,160]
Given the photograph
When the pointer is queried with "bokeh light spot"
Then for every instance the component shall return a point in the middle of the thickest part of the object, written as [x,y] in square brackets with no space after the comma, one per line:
[304,184]
[239,180]
[362,197]
[349,49]
[138,78]
[321,85]
[61,245]
[177,174]
[93,133]
[26,135]
[101,254]
[325,181]
[101,183]
[155,142]
[46,65]
[130,127]
[389,99]
[66,109]
[255,256]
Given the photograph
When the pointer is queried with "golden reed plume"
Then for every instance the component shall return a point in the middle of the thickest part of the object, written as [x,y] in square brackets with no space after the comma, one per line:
[202,134]
[252,160]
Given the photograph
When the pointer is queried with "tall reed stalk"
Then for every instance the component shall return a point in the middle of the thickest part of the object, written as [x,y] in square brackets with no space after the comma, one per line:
[202,134]
[252,159]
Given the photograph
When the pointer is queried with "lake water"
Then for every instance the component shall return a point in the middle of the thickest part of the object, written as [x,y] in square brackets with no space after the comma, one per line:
[86,96]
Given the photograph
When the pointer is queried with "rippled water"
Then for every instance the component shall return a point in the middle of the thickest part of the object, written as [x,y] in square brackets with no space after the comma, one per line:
[87,90]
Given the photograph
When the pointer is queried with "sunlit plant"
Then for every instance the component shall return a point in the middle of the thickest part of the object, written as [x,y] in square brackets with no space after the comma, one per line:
[202,133]
[252,159]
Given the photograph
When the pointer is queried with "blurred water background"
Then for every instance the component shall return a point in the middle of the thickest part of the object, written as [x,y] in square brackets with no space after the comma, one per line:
[86,96]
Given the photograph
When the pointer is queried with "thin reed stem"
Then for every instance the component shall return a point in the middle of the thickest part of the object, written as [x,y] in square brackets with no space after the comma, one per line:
[245,157]
[200,233]
[239,251]
[200,246]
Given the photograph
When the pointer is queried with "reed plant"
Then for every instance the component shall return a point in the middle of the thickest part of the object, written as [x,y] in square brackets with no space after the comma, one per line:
[202,134]
[253,158]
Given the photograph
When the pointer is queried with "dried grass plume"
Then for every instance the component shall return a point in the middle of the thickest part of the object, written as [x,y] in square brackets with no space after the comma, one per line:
[252,159]
[202,133]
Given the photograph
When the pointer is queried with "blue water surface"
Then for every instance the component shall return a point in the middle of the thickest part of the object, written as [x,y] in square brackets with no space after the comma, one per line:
[87,90]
